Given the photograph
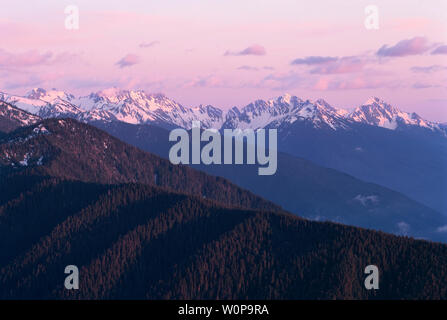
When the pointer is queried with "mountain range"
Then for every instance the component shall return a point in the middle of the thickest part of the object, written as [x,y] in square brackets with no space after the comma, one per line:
[372,143]
[138,107]
[308,189]
[139,227]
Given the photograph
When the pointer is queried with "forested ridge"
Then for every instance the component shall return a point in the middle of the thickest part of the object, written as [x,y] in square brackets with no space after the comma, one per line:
[143,242]
[138,227]
[66,148]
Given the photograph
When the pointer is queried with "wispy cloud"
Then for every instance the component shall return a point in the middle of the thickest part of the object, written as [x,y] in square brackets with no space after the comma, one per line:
[407,47]
[31,58]
[282,81]
[440,50]
[149,44]
[332,65]
[428,69]
[254,50]
[128,60]
[312,60]
[210,81]
[341,65]
[248,68]
[425,85]
[356,83]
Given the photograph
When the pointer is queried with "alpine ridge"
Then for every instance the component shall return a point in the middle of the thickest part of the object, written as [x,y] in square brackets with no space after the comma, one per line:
[138,107]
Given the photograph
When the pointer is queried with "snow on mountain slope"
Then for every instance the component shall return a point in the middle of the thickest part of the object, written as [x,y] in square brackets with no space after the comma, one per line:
[12,117]
[138,107]
[45,104]
[379,113]
[30,105]
[285,110]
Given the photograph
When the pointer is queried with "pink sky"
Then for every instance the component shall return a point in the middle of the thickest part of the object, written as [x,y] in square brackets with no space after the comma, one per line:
[228,53]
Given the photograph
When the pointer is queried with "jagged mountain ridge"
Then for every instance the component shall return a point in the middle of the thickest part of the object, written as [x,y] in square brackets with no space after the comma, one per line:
[138,107]
[12,117]
[377,112]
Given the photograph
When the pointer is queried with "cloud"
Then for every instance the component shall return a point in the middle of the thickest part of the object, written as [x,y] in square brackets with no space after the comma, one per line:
[33,58]
[25,59]
[248,68]
[422,85]
[322,84]
[442,229]
[26,78]
[440,50]
[254,50]
[333,65]
[282,81]
[312,60]
[149,44]
[341,65]
[210,81]
[407,47]
[128,60]
[428,69]
[357,83]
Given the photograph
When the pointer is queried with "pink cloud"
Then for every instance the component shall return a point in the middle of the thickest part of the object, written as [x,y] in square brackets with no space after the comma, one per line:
[321,84]
[14,80]
[128,60]
[31,58]
[255,50]
[25,59]
[407,47]
[357,83]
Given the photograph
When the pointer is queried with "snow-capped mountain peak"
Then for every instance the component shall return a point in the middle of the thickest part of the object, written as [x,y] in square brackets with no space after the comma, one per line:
[49,96]
[377,112]
[283,111]
[139,107]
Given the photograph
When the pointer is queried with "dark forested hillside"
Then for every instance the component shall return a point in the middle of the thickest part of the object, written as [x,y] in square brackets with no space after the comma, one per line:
[68,149]
[136,241]
[138,227]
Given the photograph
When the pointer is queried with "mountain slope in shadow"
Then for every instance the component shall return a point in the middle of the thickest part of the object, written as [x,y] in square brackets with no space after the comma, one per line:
[142,242]
[309,190]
